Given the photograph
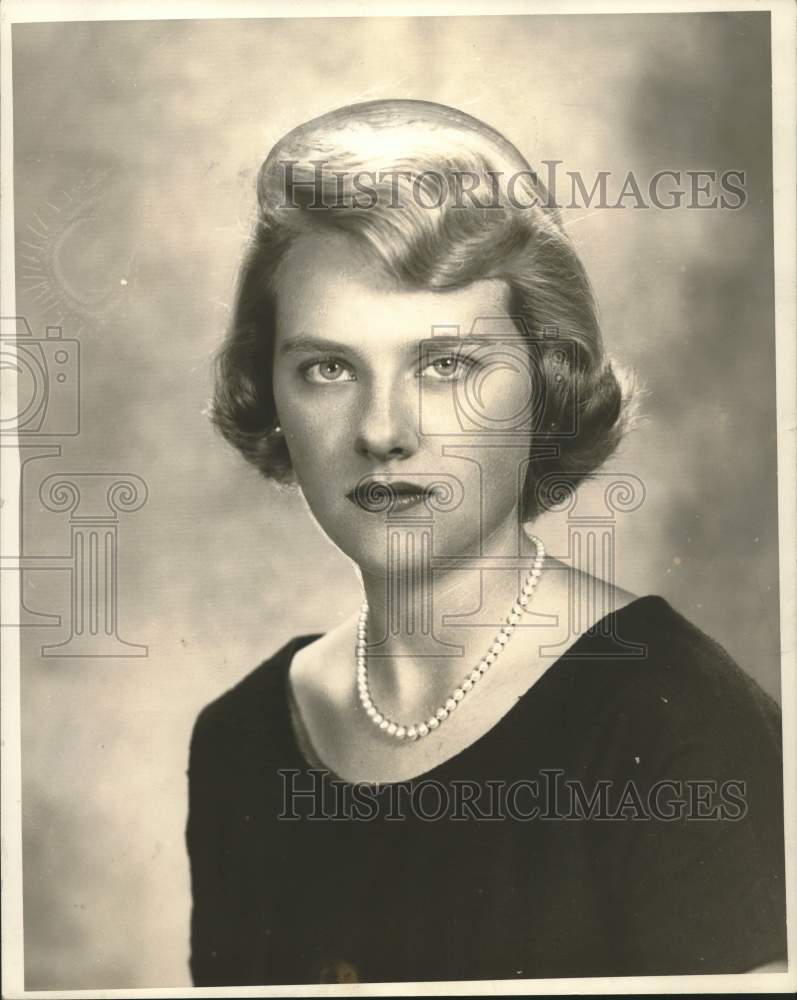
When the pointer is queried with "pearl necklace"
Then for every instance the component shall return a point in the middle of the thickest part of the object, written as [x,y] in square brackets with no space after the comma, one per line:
[421,729]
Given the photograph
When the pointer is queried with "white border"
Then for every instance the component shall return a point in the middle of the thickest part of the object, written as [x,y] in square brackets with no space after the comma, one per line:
[33,11]
[10,706]
[784,38]
[784,165]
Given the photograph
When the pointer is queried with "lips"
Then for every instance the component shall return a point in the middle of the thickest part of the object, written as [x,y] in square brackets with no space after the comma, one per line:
[378,495]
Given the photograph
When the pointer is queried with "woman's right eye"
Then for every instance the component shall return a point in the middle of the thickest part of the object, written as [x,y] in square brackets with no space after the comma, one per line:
[327,372]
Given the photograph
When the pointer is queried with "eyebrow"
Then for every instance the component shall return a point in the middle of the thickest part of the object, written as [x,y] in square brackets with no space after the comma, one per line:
[295,345]
[303,343]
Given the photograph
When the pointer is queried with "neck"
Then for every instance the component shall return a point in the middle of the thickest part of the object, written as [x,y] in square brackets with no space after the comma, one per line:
[428,628]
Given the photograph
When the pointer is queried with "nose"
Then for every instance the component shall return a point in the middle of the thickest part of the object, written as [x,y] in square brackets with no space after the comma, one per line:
[387,427]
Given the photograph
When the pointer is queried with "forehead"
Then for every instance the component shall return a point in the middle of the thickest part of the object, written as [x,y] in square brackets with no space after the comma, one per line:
[329,285]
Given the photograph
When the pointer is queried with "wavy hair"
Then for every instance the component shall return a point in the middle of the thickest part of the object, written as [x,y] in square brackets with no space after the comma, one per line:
[440,199]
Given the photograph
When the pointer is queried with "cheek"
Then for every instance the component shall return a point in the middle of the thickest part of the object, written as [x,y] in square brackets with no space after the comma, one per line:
[502,449]
[497,397]
[314,431]
[505,395]
[312,442]
[502,474]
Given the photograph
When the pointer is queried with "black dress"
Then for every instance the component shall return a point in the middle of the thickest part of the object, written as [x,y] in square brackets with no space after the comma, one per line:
[656,847]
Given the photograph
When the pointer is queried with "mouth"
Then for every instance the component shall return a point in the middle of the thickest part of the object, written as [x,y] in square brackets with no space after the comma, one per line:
[378,496]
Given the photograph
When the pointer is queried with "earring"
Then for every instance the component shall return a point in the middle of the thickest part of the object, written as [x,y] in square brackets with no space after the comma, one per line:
[277,429]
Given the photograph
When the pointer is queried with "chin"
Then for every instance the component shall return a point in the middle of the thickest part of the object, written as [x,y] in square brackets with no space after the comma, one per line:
[374,549]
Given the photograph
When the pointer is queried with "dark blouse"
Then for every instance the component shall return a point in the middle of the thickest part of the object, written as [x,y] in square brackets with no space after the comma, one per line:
[656,847]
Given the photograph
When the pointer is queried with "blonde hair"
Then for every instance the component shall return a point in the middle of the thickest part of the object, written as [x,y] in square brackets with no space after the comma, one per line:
[449,201]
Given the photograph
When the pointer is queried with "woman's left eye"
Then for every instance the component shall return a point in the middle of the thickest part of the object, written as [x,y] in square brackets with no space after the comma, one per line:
[327,372]
[448,368]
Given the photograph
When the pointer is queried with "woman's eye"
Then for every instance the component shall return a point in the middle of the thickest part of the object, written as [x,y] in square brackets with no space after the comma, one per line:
[324,372]
[448,368]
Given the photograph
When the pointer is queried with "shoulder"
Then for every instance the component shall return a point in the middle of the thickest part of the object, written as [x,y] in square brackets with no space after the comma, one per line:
[665,683]
[247,709]
[679,657]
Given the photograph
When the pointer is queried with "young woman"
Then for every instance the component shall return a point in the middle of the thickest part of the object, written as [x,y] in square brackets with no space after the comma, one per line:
[477,775]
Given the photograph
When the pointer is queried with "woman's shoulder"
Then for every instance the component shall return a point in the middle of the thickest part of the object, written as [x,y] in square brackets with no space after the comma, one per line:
[252,704]
[662,674]
[675,647]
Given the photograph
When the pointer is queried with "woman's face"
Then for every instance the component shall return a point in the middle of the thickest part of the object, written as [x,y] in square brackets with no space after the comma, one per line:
[369,388]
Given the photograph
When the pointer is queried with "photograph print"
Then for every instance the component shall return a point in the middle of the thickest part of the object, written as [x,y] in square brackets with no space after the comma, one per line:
[399,562]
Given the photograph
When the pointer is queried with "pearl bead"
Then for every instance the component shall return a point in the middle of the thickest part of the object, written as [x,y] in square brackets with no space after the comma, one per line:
[391,729]
[450,705]
[467,685]
[441,714]
[474,676]
[536,573]
[434,722]
[378,719]
[523,601]
[503,639]
[514,618]
[371,711]
[412,733]
[490,658]
[401,732]
[496,648]
[423,729]
[384,724]
[484,666]
[458,695]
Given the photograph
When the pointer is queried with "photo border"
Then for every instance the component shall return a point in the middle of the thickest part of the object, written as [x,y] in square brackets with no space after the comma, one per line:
[784,17]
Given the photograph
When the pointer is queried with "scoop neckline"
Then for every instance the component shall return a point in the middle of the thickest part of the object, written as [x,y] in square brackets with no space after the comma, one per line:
[592,634]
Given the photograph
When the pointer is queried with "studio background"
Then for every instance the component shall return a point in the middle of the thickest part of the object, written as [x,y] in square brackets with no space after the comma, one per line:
[136,150]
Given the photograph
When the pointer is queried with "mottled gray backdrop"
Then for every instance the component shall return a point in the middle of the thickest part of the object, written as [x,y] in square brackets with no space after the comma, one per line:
[136,148]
